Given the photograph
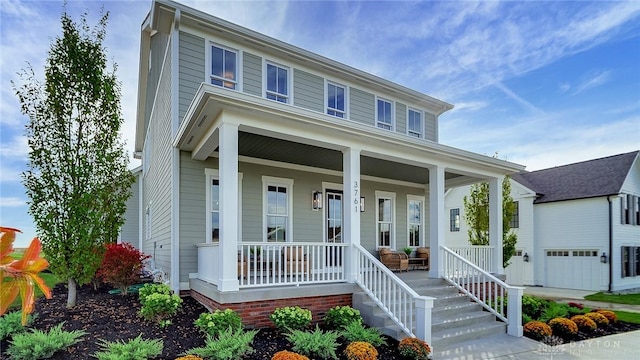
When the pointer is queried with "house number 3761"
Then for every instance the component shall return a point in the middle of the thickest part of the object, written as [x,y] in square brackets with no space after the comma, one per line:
[356,197]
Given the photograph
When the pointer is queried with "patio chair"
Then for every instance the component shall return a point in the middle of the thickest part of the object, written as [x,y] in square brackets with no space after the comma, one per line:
[394,260]
[424,253]
[295,261]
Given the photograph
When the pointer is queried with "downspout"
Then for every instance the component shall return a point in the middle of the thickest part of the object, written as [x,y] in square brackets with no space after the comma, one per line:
[610,242]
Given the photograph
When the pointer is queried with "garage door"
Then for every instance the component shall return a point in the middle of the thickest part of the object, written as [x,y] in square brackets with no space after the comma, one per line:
[573,269]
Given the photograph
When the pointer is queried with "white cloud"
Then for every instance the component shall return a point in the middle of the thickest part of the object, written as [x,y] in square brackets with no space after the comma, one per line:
[12,202]
[595,79]
[18,147]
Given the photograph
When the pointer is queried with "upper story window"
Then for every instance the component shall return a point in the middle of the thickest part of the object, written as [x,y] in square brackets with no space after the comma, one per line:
[514,223]
[224,67]
[277,83]
[414,123]
[335,100]
[384,114]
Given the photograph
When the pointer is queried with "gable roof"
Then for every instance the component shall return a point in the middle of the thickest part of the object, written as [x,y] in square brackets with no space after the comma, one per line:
[587,179]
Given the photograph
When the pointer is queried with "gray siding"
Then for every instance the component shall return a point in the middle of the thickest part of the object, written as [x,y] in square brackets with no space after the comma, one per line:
[252,74]
[308,90]
[129,231]
[157,181]
[191,74]
[431,126]
[401,118]
[158,48]
[362,106]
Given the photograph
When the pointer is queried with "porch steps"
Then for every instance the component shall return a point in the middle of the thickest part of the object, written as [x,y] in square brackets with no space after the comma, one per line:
[455,318]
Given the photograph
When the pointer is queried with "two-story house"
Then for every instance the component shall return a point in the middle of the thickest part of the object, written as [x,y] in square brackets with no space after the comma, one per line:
[272,175]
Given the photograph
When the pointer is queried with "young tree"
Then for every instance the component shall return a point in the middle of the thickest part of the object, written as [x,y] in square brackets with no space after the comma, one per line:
[476,209]
[77,178]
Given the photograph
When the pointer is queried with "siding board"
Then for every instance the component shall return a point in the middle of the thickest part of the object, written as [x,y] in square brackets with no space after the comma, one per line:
[191,52]
[431,126]
[401,118]
[252,74]
[362,106]
[308,90]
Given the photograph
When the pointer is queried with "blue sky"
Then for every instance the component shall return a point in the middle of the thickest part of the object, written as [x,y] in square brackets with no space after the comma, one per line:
[541,83]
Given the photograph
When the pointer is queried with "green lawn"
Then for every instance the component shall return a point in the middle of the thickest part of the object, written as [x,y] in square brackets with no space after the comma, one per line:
[629,317]
[629,299]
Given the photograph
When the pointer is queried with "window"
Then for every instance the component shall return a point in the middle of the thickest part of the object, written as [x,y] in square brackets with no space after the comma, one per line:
[454,220]
[335,100]
[384,115]
[277,209]
[630,261]
[514,223]
[384,218]
[277,83]
[637,210]
[414,123]
[224,67]
[212,194]
[414,220]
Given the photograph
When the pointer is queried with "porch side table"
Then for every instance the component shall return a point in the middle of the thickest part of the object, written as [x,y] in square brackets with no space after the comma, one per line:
[418,262]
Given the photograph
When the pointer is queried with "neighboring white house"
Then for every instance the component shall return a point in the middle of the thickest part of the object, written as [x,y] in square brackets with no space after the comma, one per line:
[578,224]
[270,174]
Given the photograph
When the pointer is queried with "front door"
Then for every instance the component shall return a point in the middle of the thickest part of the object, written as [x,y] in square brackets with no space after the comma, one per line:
[333,225]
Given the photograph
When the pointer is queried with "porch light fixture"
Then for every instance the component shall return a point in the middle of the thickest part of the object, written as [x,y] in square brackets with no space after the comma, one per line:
[316,200]
[525,257]
[603,258]
[362,204]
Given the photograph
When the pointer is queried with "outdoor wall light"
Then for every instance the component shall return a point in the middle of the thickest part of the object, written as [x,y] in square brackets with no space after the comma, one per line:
[362,204]
[603,258]
[316,200]
[525,257]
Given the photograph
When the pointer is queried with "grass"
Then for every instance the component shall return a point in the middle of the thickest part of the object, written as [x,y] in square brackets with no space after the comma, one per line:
[629,299]
[629,317]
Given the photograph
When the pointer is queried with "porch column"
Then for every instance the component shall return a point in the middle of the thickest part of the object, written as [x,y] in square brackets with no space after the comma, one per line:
[228,167]
[495,222]
[437,221]
[351,227]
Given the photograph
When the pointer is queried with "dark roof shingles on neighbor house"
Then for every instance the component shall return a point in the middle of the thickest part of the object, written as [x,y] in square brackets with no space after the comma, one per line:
[587,179]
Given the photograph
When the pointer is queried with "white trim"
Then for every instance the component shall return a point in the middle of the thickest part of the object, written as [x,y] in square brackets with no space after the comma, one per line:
[140,212]
[393,115]
[175,159]
[422,122]
[207,64]
[211,174]
[288,184]
[289,96]
[421,199]
[345,112]
[392,235]
[329,186]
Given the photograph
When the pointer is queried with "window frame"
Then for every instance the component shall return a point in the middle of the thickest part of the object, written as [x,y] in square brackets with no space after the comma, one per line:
[420,200]
[392,223]
[514,222]
[381,124]
[288,185]
[210,175]
[329,109]
[288,82]
[413,133]
[211,77]
[630,267]
[454,225]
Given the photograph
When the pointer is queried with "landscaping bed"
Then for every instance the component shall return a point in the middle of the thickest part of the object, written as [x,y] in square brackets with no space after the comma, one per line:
[115,317]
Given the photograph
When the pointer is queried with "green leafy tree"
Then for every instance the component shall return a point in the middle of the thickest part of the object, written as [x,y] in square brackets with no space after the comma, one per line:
[476,210]
[77,178]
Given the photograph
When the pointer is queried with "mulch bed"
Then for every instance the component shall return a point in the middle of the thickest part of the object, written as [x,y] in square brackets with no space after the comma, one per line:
[115,317]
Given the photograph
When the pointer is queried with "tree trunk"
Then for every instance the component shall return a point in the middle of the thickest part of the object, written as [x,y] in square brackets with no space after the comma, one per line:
[71,293]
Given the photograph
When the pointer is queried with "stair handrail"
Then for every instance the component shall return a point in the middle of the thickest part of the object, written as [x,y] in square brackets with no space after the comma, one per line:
[397,299]
[485,289]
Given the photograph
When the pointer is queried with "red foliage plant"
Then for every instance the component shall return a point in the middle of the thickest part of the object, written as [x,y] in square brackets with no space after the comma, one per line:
[121,266]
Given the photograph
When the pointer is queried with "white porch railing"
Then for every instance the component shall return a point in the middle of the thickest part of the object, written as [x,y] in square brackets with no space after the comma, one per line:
[280,264]
[480,255]
[410,311]
[207,266]
[485,289]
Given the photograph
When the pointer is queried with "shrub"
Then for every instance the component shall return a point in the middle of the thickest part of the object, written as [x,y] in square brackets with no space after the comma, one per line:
[213,323]
[11,323]
[315,344]
[291,318]
[121,266]
[526,318]
[598,318]
[340,316]
[584,323]
[554,310]
[563,327]
[229,345]
[536,330]
[189,357]
[288,355]
[356,331]
[573,311]
[37,344]
[576,305]
[134,349]
[360,350]
[610,315]
[532,306]
[414,348]
[149,289]
[160,307]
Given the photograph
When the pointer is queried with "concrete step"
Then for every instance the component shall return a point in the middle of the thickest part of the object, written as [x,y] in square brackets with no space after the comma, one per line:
[452,336]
